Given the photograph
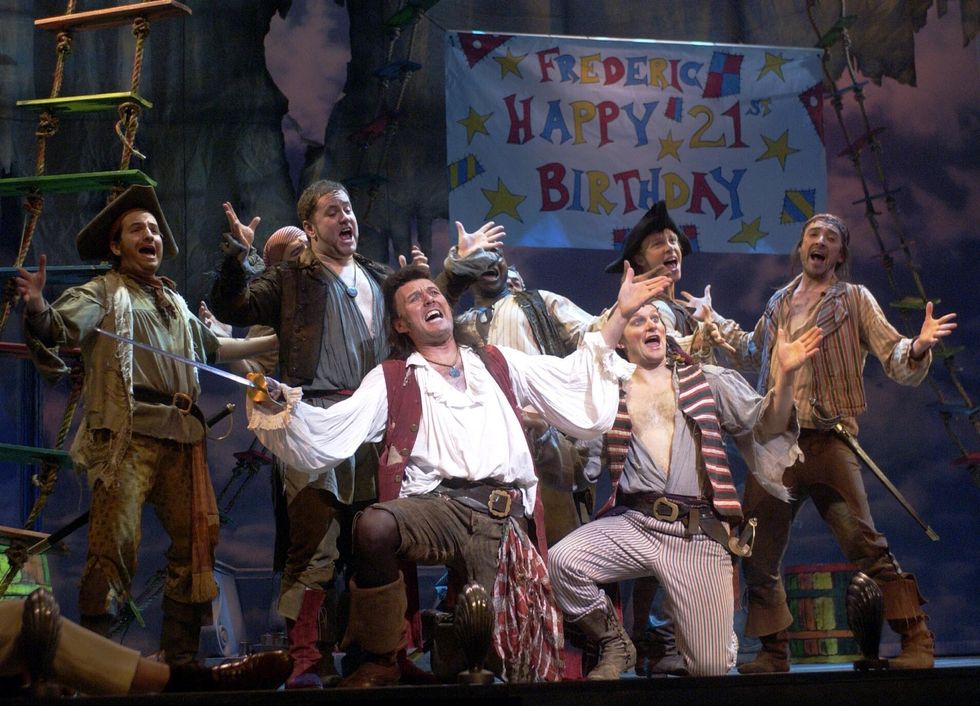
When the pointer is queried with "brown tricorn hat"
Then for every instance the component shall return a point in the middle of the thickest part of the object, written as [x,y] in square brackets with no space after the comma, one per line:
[93,240]
[653,221]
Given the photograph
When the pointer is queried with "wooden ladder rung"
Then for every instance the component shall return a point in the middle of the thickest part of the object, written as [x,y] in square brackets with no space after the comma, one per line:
[58,275]
[72,183]
[84,104]
[31,455]
[112,16]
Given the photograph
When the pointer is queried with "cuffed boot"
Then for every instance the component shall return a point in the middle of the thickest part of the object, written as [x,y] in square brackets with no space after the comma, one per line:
[773,657]
[302,635]
[918,644]
[616,651]
[377,625]
[180,634]
[903,611]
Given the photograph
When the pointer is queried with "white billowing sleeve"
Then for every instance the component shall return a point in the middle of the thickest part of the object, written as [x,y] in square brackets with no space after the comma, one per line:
[579,394]
[317,439]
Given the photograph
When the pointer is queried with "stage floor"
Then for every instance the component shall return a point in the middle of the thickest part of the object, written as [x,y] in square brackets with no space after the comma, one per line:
[955,680]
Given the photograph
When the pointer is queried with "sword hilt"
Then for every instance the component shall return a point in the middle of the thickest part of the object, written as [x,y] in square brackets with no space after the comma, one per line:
[259,392]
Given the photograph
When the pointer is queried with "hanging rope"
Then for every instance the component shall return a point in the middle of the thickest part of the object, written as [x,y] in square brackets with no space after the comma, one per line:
[47,127]
[49,474]
[129,112]
[855,149]
[17,554]
[392,126]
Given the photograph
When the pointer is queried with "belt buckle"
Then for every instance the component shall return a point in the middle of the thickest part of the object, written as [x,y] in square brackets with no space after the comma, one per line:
[665,510]
[182,402]
[498,495]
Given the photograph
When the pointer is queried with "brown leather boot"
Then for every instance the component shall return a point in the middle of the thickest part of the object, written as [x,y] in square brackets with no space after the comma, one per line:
[180,633]
[616,651]
[377,625]
[903,611]
[773,657]
[918,644]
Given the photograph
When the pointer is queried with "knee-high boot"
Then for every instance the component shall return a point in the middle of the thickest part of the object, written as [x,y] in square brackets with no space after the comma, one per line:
[180,635]
[302,635]
[377,625]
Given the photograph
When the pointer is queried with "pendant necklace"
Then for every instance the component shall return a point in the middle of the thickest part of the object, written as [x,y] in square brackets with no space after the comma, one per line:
[352,287]
[454,372]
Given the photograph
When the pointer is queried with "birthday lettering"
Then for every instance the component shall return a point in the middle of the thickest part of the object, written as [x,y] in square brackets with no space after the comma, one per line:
[575,121]
[597,192]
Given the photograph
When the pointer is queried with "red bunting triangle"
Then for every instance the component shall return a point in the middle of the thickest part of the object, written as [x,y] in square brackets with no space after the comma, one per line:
[812,100]
[477,46]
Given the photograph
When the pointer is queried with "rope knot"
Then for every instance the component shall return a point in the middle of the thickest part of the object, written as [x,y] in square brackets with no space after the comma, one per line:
[47,125]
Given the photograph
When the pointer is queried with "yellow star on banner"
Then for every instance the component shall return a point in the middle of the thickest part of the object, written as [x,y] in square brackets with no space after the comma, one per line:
[750,233]
[669,146]
[502,201]
[508,64]
[778,148]
[774,63]
[474,123]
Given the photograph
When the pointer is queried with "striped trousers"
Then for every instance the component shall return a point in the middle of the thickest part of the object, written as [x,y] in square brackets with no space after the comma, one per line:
[696,573]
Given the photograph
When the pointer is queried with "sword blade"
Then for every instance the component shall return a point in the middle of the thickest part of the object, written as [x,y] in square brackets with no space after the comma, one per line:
[183,359]
[862,454]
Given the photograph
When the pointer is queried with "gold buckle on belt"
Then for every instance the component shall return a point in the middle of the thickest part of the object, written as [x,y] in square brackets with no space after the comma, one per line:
[496,495]
[182,402]
[665,510]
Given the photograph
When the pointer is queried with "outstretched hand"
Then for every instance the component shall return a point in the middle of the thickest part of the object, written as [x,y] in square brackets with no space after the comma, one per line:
[239,240]
[488,237]
[635,291]
[30,286]
[791,355]
[418,258]
[932,330]
[700,306]
[710,330]
[218,328]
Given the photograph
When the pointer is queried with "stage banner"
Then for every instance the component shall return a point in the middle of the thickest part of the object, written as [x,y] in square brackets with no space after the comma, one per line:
[567,141]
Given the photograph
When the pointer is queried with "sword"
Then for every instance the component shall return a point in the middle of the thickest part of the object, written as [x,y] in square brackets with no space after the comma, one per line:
[258,386]
[851,441]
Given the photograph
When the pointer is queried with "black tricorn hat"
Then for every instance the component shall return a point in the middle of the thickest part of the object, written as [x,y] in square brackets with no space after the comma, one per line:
[654,221]
[93,240]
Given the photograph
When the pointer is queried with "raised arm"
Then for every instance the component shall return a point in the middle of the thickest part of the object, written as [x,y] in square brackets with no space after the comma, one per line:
[789,357]
[30,287]
[633,293]
[932,330]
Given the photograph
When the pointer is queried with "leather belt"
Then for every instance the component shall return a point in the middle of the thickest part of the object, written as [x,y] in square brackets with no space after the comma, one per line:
[696,513]
[498,501]
[180,400]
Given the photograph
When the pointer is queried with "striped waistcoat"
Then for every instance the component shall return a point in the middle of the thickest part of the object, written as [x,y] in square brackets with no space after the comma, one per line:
[697,404]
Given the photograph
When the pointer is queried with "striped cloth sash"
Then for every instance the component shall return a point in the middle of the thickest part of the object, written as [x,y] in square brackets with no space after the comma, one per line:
[697,404]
